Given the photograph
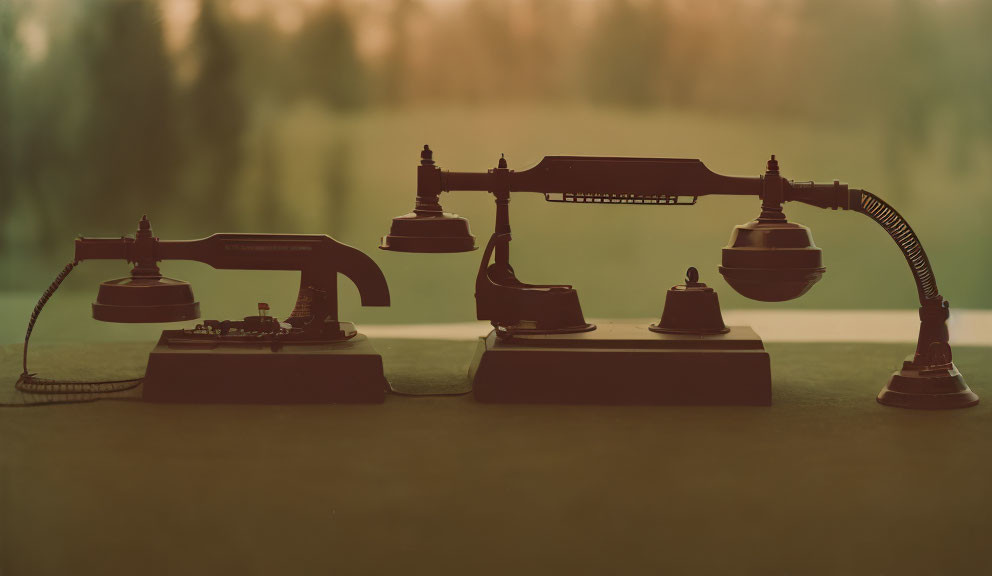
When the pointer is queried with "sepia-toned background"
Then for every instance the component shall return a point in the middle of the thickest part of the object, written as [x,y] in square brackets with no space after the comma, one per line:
[307,116]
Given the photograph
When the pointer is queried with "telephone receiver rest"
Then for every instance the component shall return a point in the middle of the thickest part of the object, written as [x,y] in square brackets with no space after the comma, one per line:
[520,307]
[316,306]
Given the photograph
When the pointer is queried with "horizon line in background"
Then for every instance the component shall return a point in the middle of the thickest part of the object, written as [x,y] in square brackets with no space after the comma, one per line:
[967,327]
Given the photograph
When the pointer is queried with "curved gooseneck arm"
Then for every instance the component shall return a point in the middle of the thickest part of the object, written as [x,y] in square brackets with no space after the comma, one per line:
[897,227]
[932,348]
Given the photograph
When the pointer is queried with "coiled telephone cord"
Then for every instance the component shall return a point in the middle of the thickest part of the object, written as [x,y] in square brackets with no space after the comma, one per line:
[32,384]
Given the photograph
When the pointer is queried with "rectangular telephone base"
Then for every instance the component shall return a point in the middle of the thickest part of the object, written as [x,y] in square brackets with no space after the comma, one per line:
[349,371]
[624,363]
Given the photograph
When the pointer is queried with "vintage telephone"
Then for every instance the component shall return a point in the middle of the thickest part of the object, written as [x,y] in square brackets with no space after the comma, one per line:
[542,349]
[311,357]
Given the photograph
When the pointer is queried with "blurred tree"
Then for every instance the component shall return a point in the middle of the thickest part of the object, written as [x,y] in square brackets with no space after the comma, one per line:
[844,70]
[917,83]
[45,132]
[394,81]
[981,73]
[626,60]
[549,68]
[328,62]
[266,70]
[8,28]
[126,150]
[339,182]
[920,74]
[271,207]
[494,74]
[969,87]
[217,117]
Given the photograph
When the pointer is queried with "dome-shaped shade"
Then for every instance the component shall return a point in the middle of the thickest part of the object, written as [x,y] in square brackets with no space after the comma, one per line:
[771,261]
[430,232]
[141,299]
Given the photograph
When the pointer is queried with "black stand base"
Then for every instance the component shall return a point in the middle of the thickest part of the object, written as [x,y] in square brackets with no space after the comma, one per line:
[917,387]
[348,371]
[624,364]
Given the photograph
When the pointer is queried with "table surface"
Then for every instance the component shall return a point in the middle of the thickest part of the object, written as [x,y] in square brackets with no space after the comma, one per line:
[823,481]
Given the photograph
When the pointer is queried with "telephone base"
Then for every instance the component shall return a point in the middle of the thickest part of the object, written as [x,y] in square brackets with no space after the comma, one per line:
[624,363]
[182,371]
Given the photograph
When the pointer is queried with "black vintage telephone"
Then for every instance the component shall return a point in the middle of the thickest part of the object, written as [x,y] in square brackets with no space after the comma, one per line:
[311,357]
[542,349]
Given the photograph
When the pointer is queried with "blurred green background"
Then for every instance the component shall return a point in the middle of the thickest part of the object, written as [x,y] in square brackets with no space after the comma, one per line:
[307,116]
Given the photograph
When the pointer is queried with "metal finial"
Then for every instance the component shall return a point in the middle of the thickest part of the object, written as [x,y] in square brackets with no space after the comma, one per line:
[772,165]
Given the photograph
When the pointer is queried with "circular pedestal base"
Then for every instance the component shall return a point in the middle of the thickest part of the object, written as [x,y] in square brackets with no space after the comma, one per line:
[927,389]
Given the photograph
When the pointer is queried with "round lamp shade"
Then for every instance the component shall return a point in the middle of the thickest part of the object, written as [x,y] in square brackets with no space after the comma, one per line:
[771,261]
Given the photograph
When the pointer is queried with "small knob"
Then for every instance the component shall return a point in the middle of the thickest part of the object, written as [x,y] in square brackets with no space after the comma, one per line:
[691,276]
